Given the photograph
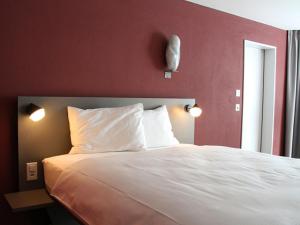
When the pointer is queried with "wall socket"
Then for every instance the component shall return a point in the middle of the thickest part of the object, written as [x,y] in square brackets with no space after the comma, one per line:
[31,171]
[238,93]
[237,107]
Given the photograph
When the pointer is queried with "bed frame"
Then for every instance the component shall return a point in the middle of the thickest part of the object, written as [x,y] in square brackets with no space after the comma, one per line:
[51,136]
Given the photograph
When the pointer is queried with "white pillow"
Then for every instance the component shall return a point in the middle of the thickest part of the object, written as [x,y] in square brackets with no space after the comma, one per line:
[158,128]
[106,129]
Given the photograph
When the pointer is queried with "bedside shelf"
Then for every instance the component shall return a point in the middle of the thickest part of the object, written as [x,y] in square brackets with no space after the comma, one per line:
[29,200]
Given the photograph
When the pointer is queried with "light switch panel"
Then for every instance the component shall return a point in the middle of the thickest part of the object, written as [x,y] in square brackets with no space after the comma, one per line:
[31,170]
[238,93]
[168,75]
[237,107]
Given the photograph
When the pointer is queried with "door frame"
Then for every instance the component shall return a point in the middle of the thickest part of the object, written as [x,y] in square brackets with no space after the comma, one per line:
[269,94]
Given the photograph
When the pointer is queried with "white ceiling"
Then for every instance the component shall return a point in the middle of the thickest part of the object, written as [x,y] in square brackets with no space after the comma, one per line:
[284,14]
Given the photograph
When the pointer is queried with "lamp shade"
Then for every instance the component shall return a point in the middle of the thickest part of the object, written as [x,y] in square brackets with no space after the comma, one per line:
[194,110]
[35,112]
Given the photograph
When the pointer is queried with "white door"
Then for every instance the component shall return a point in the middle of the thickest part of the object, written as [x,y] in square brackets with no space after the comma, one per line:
[253,98]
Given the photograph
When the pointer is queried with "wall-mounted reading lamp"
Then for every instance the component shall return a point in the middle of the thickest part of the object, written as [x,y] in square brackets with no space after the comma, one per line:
[35,112]
[194,110]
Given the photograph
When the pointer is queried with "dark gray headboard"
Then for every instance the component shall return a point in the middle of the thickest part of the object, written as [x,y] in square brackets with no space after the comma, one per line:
[50,136]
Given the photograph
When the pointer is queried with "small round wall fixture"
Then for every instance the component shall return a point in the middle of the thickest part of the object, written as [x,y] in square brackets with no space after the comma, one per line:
[194,110]
[36,113]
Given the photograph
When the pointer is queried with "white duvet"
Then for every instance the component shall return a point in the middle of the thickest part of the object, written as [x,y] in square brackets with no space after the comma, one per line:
[186,185]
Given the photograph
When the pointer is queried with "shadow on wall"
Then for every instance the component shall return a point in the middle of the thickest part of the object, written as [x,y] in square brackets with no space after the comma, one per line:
[157,48]
[8,111]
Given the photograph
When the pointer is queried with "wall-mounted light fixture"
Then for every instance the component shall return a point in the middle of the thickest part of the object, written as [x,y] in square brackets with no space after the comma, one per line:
[35,112]
[194,110]
[172,55]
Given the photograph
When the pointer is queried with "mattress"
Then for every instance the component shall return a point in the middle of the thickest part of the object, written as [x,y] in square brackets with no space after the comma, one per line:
[54,166]
[184,184]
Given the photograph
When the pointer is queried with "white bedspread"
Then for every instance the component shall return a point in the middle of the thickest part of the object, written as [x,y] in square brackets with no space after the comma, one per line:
[186,185]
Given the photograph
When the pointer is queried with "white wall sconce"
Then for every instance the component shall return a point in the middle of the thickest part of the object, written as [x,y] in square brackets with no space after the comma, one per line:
[194,110]
[172,55]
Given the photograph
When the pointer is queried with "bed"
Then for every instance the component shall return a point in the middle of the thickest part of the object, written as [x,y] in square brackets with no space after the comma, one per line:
[182,184]
[185,184]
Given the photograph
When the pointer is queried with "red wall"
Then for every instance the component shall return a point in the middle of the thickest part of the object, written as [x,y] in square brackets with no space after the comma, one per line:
[116,48]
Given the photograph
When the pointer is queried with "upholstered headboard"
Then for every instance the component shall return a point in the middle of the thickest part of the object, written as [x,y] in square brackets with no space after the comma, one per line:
[50,136]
